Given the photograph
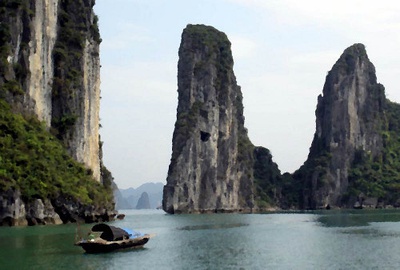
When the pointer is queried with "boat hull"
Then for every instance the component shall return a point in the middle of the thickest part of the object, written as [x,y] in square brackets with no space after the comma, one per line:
[100,246]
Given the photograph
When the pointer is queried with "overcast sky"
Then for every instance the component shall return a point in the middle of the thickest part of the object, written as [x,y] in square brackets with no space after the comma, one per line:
[282,52]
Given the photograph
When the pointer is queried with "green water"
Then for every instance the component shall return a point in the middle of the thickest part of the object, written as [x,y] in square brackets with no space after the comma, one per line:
[323,240]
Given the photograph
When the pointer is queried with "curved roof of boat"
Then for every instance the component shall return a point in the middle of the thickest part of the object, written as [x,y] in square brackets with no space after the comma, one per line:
[110,233]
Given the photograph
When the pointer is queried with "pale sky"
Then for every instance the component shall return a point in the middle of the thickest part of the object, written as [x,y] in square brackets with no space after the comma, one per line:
[282,52]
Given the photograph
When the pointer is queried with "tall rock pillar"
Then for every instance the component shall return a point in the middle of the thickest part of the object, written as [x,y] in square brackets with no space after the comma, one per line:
[349,118]
[211,164]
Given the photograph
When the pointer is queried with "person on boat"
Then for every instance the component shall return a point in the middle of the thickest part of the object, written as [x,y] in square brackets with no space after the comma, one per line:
[91,236]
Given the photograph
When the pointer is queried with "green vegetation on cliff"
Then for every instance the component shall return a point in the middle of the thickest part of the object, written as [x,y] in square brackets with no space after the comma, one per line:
[267,178]
[272,189]
[31,159]
[35,162]
[77,25]
[380,176]
[355,153]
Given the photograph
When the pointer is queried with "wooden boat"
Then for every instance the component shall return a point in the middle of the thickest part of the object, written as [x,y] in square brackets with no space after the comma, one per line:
[107,238]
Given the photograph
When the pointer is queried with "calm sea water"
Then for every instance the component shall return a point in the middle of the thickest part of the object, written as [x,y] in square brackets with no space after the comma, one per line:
[320,240]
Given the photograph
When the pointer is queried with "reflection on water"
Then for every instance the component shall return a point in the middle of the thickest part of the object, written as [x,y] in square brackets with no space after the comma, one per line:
[356,218]
[372,232]
[212,226]
[312,240]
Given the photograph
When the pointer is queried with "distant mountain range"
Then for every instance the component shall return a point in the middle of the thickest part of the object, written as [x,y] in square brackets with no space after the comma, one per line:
[129,198]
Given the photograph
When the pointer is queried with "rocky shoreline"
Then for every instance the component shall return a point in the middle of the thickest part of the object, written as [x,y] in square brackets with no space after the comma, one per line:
[15,212]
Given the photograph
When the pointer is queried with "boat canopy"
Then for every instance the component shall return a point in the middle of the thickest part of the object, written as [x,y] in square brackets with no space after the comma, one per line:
[110,233]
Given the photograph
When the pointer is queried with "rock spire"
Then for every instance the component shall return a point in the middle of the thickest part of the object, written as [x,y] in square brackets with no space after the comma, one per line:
[211,163]
[349,118]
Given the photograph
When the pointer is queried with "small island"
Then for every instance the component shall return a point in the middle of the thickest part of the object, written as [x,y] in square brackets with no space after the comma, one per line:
[215,168]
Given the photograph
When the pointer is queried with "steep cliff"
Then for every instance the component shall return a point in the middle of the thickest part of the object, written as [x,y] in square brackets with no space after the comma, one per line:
[350,119]
[50,67]
[50,71]
[75,95]
[212,158]
[353,159]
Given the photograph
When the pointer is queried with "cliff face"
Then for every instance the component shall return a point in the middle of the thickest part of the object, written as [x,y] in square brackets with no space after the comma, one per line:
[76,87]
[211,164]
[349,120]
[43,28]
[52,69]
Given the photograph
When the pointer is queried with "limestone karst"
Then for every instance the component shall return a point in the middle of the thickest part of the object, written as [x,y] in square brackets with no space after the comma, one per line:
[215,168]
[211,164]
[50,72]
[350,119]
[143,202]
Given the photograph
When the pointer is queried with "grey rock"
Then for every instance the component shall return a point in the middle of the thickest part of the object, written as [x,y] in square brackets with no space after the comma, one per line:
[12,209]
[42,213]
[143,202]
[370,202]
[348,119]
[128,198]
[212,158]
